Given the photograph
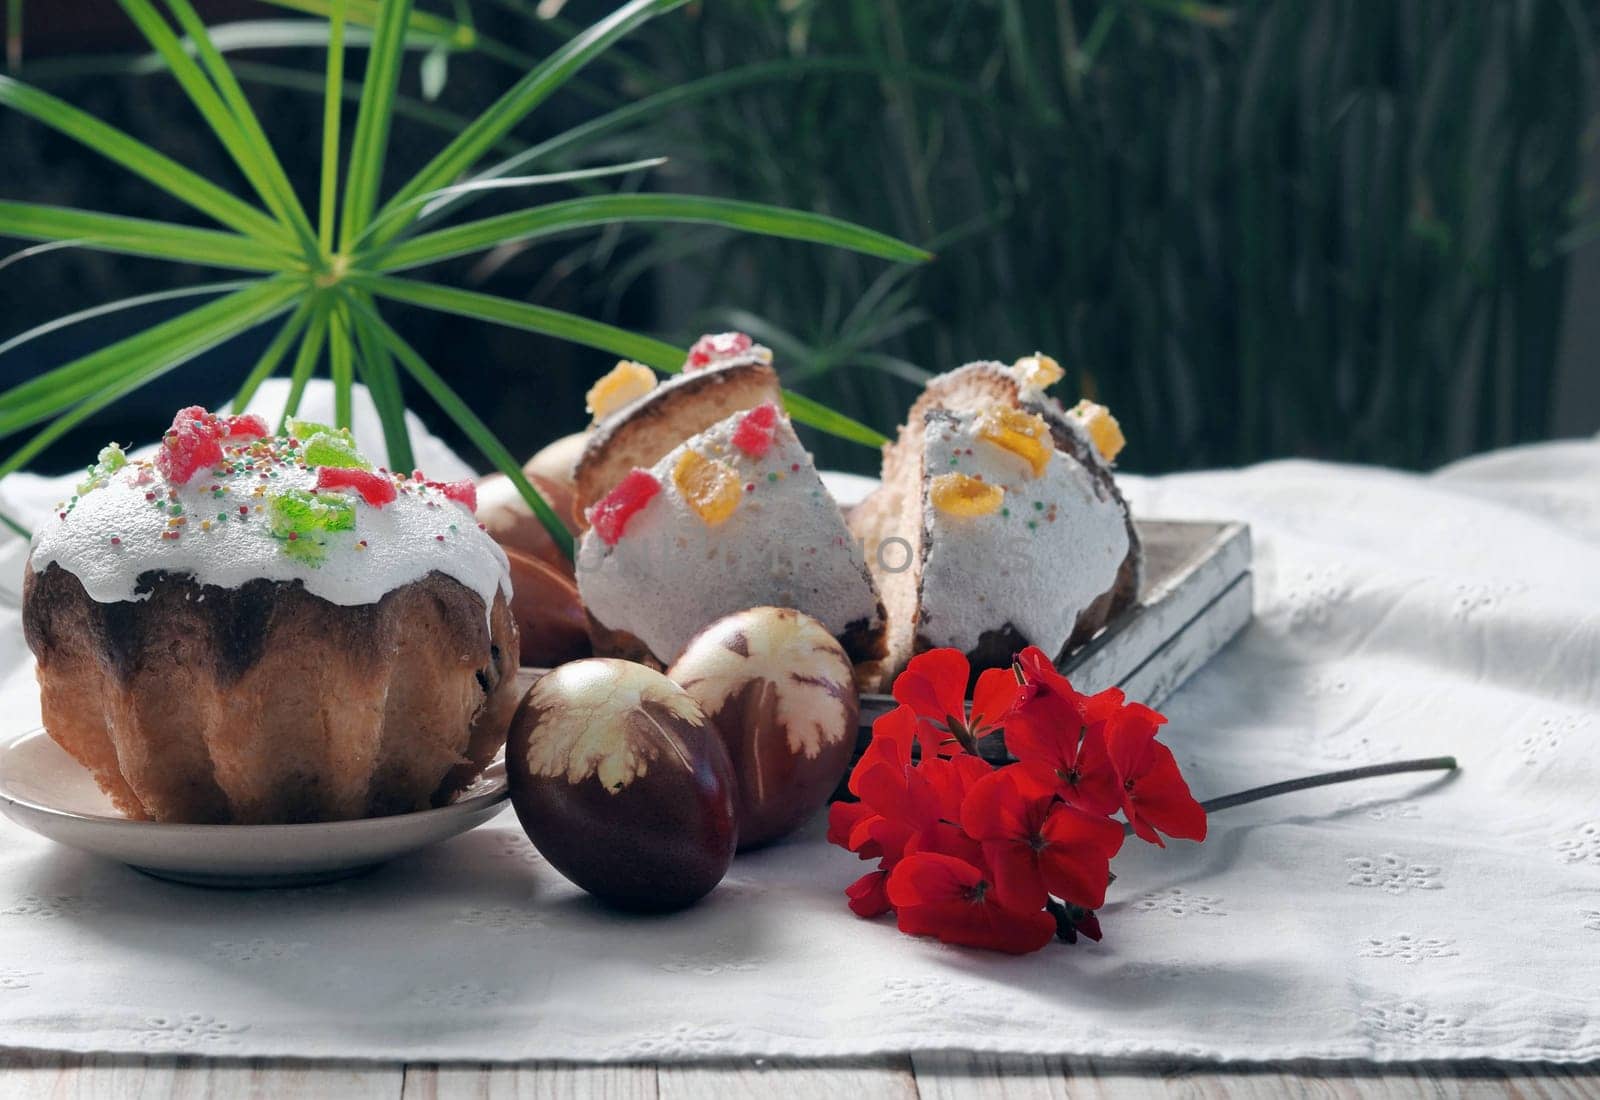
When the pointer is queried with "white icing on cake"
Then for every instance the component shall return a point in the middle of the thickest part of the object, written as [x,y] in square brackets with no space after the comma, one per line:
[419,532]
[1052,549]
[785,545]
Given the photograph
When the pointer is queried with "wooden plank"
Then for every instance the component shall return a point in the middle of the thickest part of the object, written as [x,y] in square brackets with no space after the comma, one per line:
[28,1076]
[533,1081]
[783,1079]
[1001,1077]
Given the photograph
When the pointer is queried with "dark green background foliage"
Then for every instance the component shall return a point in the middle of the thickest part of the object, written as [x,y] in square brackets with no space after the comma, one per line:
[1335,228]
[1309,227]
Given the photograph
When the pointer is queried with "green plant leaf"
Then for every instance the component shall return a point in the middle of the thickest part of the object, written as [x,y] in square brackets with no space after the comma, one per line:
[488,128]
[558,217]
[370,148]
[305,361]
[143,161]
[332,111]
[340,367]
[475,430]
[272,356]
[118,306]
[580,330]
[102,398]
[377,370]
[367,13]
[139,237]
[162,346]
[256,138]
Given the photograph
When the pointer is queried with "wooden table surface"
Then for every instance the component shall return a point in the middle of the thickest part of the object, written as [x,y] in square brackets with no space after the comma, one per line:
[28,1076]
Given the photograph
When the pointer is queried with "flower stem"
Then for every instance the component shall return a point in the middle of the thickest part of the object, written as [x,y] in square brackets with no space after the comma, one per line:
[1289,786]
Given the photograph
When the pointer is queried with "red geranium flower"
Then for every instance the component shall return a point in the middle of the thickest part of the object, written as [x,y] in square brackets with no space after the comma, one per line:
[1154,794]
[1038,846]
[934,685]
[950,899]
[1058,735]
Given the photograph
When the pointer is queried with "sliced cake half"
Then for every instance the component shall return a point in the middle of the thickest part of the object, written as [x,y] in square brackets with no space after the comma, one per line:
[901,511]
[732,518]
[724,374]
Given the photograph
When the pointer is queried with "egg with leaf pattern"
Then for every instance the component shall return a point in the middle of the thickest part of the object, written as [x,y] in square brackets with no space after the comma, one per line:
[780,691]
[622,784]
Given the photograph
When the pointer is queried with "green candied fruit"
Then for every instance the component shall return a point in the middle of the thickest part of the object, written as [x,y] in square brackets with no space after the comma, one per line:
[305,429]
[301,520]
[333,449]
[111,459]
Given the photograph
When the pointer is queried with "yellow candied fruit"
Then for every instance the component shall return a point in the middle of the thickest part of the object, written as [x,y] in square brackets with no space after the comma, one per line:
[960,495]
[1022,433]
[625,382]
[1104,431]
[711,487]
[1038,370]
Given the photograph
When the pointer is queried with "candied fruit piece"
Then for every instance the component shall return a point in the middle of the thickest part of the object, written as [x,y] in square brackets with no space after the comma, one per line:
[305,429]
[624,383]
[713,347]
[1022,433]
[609,517]
[710,487]
[191,444]
[376,489]
[1104,431]
[1038,371]
[754,434]
[464,493]
[961,495]
[333,449]
[246,426]
[300,519]
[110,460]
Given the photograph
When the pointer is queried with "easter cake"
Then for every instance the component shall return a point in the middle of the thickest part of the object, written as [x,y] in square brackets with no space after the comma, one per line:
[731,518]
[257,628]
[637,421]
[1009,527]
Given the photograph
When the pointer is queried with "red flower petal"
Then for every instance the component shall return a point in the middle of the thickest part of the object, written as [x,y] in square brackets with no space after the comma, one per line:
[843,817]
[948,898]
[951,778]
[868,894]
[994,694]
[1074,860]
[929,877]
[1154,794]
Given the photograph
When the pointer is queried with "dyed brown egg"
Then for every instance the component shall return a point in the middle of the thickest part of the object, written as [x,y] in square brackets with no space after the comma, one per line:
[781,692]
[511,523]
[622,784]
[551,624]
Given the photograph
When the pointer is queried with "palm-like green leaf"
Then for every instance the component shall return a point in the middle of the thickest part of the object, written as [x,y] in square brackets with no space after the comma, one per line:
[105,309]
[560,217]
[142,160]
[140,237]
[533,89]
[328,276]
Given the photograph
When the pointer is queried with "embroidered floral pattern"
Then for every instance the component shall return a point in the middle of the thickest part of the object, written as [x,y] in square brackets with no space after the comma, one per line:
[681,1039]
[1408,948]
[1177,902]
[1591,919]
[1392,874]
[1409,1022]
[255,951]
[1312,596]
[722,957]
[513,847]
[1542,742]
[191,1031]
[1391,811]
[1583,846]
[501,919]
[52,906]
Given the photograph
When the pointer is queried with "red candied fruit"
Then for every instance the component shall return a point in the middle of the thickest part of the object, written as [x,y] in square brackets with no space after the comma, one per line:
[753,436]
[717,346]
[611,515]
[376,489]
[464,493]
[191,444]
[247,426]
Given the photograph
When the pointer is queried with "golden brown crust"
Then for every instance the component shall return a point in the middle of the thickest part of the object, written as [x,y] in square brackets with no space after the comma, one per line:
[647,429]
[265,704]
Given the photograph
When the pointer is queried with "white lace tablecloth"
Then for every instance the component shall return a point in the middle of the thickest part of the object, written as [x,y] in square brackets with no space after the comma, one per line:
[1406,918]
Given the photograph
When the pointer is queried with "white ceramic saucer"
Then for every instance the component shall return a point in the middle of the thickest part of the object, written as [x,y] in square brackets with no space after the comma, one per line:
[45,790]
